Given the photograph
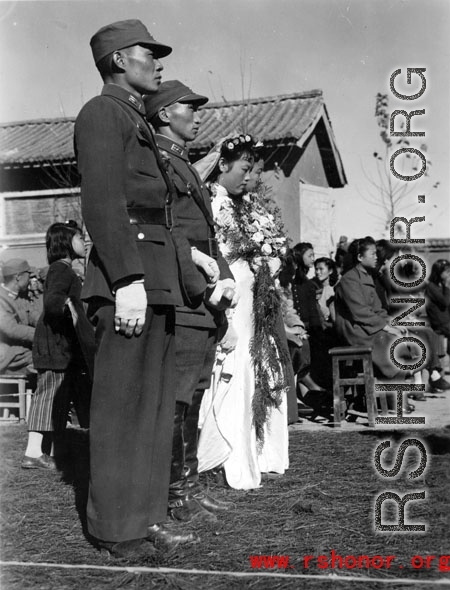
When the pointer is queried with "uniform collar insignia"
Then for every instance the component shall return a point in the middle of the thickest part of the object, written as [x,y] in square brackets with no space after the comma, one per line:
[177,149]
[124,95]
[169,145]
[134,101]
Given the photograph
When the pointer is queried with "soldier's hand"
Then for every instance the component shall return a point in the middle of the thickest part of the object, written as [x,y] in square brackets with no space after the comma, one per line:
[131,306]
[207,264]
[222,295]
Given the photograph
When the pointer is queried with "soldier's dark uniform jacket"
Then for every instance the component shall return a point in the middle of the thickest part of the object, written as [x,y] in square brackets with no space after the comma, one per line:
[119,174]
[124,192]
[191,220]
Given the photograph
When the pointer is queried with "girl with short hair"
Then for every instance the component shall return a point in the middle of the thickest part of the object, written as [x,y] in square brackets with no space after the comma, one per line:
[57,354]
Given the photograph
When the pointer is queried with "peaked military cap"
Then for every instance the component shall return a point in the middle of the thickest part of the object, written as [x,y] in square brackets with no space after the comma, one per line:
[124,33]
[168,93]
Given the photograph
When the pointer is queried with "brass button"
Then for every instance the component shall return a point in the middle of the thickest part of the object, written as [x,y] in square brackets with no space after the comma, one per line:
[141,236]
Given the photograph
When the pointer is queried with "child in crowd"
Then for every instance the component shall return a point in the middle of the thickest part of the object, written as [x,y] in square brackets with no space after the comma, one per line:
[57,354]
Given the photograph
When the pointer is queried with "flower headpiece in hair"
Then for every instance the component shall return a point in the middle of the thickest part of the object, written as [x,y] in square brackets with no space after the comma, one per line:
[233,142]
[206,165]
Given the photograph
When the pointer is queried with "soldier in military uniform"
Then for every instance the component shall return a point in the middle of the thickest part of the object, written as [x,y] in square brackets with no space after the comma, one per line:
[132,287]
[173,113]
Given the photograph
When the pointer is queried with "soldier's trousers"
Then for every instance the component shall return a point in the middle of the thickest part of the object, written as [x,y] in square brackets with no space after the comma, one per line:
[132,410]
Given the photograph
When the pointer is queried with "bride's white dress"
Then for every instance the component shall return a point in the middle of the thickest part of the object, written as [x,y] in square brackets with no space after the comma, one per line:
[227,434]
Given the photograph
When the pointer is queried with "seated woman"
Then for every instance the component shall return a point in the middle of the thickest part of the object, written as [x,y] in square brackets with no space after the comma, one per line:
[387,291]
[360,318]
[244,413]
[308,391]
[326,277]
[362,321]
[437,297]
[305,302]
[303,289]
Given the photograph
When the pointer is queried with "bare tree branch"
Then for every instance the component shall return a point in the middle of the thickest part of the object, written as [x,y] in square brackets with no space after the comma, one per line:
[384,190]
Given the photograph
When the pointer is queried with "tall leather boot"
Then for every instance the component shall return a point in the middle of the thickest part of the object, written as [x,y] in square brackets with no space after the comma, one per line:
[182,506]
[190,435]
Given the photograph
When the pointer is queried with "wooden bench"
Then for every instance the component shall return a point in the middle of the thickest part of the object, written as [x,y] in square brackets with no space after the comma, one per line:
[14,394]
[362,375]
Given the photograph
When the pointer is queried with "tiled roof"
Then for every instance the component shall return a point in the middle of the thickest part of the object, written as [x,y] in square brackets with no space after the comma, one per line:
[287,119]
[36,142]
[435,243]
[277,118]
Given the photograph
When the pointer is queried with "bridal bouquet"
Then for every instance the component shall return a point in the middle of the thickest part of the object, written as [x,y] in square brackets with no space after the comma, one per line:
[251,231]
[250,228]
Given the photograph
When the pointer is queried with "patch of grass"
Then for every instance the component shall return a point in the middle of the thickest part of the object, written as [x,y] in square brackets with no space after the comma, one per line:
[323,503]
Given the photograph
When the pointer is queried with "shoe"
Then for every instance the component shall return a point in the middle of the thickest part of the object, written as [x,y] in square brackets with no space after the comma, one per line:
[408,408]
[42,462]
[164,534]
[188,509]
[213,504]
[418,397]
[133,549]
[444,384]
[438,385]
[303,410]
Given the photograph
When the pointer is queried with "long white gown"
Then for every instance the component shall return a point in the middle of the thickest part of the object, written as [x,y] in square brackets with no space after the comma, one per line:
[227,434]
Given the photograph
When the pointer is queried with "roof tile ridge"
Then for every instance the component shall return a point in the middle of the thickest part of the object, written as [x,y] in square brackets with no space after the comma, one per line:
[315,93]
[44,121]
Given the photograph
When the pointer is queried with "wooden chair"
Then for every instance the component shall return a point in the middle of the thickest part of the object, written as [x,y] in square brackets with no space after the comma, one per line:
[14,394]
[362,375]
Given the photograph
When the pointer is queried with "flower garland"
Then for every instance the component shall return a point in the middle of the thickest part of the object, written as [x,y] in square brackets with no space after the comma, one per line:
[252,233]
[251,230]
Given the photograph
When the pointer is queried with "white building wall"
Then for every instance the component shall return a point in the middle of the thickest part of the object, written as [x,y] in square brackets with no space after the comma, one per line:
[317,219]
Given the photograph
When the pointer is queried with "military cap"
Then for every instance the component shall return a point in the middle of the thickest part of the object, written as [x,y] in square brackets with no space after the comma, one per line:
[15,266]
[124,33]
[168,93]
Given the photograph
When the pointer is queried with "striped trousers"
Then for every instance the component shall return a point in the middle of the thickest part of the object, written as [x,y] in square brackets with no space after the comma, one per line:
[50,402]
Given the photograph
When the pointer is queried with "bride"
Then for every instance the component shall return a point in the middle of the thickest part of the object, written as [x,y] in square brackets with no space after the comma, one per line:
[244,413]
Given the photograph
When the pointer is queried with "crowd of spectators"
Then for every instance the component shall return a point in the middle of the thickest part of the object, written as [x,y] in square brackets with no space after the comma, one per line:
[350,301]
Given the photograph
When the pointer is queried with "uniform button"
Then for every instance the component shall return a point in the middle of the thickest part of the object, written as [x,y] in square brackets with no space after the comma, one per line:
[141,236]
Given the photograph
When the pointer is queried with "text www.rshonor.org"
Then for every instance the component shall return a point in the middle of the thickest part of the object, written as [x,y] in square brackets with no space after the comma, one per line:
[349,562]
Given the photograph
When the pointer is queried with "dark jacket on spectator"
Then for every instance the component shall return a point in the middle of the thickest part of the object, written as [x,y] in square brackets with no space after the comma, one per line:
[437,305]
[360,318]
[55,343]
[305,303]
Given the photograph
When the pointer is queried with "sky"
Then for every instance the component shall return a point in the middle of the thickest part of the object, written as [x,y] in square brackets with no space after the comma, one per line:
[235,49]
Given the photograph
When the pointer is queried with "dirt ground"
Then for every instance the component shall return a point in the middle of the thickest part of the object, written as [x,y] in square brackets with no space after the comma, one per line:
[435,409]
[324,503]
